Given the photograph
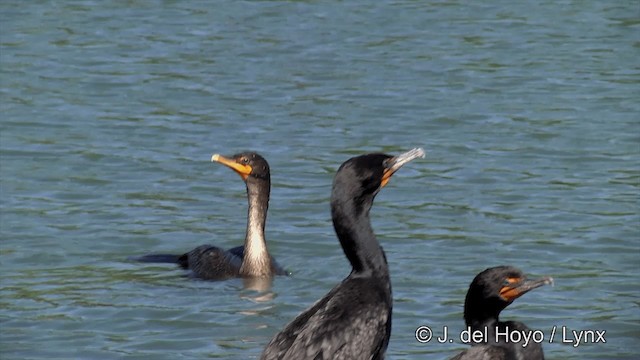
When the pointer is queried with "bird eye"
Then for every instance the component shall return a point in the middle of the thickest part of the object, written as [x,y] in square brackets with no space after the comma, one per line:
[506,282]
[244,160]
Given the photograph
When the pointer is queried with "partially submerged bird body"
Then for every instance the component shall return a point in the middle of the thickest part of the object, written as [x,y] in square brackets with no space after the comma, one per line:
[213,263]
[490,292]
[251,260]
[352,321]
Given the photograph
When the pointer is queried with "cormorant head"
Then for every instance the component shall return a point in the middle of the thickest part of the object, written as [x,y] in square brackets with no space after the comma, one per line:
[495,288]
[249,165]
[361,177]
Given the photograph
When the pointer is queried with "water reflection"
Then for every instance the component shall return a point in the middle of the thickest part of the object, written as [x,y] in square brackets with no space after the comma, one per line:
[261,286]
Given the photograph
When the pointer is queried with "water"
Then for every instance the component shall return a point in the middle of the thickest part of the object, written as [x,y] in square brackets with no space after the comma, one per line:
[111,111]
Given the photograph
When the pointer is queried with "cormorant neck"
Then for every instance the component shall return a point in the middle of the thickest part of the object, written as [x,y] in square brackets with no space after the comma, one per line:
[353,227]
[256,260]
[478,314]
[480,324]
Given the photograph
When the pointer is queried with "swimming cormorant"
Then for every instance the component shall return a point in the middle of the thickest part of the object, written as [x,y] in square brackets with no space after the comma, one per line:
[251,260]
[353,321]
[489,293]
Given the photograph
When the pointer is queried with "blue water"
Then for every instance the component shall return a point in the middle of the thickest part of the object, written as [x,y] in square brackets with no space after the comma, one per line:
[110,111]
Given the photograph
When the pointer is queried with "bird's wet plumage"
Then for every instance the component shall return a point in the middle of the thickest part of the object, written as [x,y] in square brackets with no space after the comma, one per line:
[353,321]
[490,292]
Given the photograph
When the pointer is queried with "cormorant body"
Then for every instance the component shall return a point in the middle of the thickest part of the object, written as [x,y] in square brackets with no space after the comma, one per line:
[353,321]
[251,260]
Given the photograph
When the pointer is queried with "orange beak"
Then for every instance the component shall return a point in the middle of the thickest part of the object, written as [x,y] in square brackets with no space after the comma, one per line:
[241,169]
[518,287]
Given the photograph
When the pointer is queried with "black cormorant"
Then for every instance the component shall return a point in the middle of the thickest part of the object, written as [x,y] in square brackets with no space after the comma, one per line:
[353,321]
[489,293]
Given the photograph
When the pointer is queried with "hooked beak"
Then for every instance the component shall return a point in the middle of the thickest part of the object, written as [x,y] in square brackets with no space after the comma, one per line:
[515,290]
[241,169]
[393,164]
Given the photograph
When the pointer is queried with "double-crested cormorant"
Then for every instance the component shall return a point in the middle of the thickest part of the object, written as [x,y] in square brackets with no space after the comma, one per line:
[489,293]
[251,260]
[353,321]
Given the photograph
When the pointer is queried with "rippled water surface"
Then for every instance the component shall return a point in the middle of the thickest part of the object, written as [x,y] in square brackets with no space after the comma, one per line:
[110,112]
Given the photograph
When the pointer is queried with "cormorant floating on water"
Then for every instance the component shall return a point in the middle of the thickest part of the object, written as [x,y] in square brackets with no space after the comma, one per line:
[251,260]
[489,293]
